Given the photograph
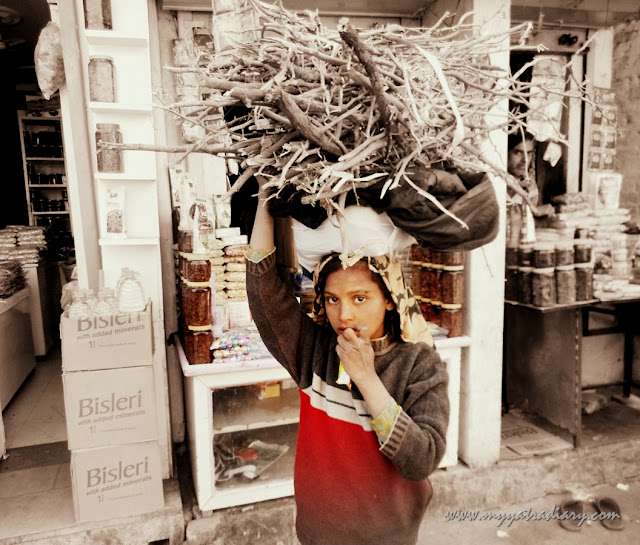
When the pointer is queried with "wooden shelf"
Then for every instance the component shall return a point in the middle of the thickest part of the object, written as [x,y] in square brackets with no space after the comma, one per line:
[49,212]
[119,107]
[110,37]
[48,186]
[37,118]
[238,409]
[122,177]
[58,159]
[139,241]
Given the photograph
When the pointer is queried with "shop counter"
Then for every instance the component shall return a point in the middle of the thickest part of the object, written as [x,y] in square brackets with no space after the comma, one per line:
[17,358]
[543,356]
[217,403]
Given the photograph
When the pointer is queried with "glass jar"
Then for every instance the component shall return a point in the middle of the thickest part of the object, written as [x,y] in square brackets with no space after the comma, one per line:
[416,279]
[452,285]
[543,287]
[101,80]
[511,256]
[525,255]
[582,250]
[451,319]
[196,268]
[197,344]
[452,259]
[129,292]
[97,14]
[196,304]
[81,306]
[435,311]
[524,285]
[584,281]
[543,256]
[564,253]
[426,279]
[109,160]
[415,253]
[511,284]
[565,285]
[425,308]
[185,240]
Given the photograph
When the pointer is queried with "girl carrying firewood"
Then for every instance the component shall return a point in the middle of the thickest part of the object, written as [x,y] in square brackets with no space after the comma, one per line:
[374,406]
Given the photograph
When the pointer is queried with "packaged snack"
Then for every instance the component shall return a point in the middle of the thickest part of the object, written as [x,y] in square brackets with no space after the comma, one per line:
[202,228]
[228,232]
[233,240]
[114,226]
[231,286]
[236,267]
[222,210]
[236,250]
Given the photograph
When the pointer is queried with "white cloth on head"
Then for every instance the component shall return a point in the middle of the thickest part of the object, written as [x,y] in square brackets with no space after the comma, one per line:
[368,233]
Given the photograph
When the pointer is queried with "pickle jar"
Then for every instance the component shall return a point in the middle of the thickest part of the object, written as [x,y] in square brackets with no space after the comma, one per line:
[524,285]
[451,319]
[565,285]
[525,255]
[511,256]
[185,240]
[197,268]
[564,253]
[197,344]
[416,278]
[196,304]
[452,259]
[584,281]
[101,80]
[435,284]
[543,287]
[511,284]
[582,250]
[435,311]
[452,285]
[543,256]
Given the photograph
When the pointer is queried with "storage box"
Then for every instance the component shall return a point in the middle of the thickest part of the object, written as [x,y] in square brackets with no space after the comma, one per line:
[109,342]
[118,481]
[112,407]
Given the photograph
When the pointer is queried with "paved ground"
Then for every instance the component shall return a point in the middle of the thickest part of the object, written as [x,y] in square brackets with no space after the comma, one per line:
[437,530]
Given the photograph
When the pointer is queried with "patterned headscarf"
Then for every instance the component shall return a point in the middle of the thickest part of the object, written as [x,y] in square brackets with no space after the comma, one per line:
[413,327]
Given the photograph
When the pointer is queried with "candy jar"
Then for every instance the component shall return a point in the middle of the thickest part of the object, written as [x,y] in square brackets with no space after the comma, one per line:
[129,293]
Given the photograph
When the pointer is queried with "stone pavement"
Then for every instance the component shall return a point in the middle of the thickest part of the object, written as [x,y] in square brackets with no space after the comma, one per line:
[437,530]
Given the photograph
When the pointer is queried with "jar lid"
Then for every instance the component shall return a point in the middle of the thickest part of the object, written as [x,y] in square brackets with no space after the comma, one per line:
[453,268]
[564,244]
[425,300]
[199,328]
[543,246]
[587,265]
[526,269]
[107,126]
[513,267]
[195,257]
[564,267]
[436,303]
[451,306]
[544,270]
[194,284]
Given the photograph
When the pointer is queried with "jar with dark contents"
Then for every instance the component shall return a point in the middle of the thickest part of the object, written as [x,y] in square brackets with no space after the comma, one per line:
[185,240]
[197,344]
[109,160]
[451,319]
[524,285]
[582,251]
[415,253]
[584,281]
[436,258]
[435,310]
[196,304]
[543,256]
[564,253]
[435,284]
[416,279]
[543,287]
[197,268]
[565,285]
[452,259]
[511,256]
[452,285]
[511,284]
[425,308]
[525,255]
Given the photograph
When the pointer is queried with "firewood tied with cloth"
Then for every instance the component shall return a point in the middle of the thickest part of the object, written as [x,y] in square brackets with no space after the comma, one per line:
[324,112]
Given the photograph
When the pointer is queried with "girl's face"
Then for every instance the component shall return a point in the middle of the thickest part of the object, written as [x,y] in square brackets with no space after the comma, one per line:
[352,298]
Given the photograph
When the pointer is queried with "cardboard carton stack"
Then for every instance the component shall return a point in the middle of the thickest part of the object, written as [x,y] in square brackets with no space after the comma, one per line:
[111,415]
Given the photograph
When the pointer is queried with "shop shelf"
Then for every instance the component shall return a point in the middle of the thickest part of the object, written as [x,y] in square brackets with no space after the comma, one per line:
[57,159]
[111,37]
[49,212]
[140,241]
[119,107]
[236,409]
[48,186]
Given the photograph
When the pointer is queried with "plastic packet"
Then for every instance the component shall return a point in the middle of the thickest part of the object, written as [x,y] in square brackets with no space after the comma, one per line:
[114,203]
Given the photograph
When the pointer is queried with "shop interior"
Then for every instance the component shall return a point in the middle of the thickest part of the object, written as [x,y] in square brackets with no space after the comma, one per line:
[35,227]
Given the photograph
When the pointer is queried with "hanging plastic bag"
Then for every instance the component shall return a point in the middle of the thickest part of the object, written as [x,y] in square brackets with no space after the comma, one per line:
[48,60]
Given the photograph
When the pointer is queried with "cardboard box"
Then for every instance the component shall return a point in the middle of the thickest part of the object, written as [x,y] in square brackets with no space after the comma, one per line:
[110,342]
[118,481]
[111,407]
